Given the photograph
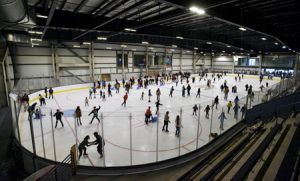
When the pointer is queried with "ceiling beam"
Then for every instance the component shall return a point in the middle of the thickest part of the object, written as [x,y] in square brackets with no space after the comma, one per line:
[78,8]
[108,7]
[51,13]
[63,5]
[98,7]
[116,16]
[138,11]
[141,17]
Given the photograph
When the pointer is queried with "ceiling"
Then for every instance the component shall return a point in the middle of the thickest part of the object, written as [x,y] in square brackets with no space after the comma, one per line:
[161,21]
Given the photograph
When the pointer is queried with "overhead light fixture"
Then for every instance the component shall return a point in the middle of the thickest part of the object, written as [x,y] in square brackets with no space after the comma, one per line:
[276,43]
[41,16]
[151,48]
[195,48]
[294,51]
[290,49]
[145,42]
[34,44]
[241,49]
[284,47]
[36,39]
[201,52]
[233,52]
[209,43]
[130,29]
[133,49]
[172,50]
[188,51]
[108,48]
[242,29]
[251,50]
[228,46]
[197,10]
[174,46]
[76,46]
[123,46]
[179,37]
[263,38]
[242,53]
[35,32]
[223,51]
[102,38]
[86,43]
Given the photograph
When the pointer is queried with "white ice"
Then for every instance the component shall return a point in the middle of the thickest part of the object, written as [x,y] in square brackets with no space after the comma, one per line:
[116,122]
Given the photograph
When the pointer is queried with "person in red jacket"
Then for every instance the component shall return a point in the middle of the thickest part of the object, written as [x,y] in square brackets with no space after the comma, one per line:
[125,97]
[148,114]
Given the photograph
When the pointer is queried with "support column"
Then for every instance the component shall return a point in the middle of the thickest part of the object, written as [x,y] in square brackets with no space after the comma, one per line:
[296,64]
[260,64]
[53,60]
[93,61]
[147,60]
[194,61]
[211,63]
[123,63]
[5,79]
[180,60]
[56,61]
[233,64]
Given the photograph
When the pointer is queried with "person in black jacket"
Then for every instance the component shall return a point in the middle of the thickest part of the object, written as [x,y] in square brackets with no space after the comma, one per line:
[82,146]
[100,143]
[95,114]
[157,104]
[58,115]
[50,93]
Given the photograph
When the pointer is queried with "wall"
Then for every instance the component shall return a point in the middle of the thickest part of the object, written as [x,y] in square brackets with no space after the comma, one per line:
[3,100]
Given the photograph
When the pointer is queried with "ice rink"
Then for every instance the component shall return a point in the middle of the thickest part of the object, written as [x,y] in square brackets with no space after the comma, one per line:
[133,142]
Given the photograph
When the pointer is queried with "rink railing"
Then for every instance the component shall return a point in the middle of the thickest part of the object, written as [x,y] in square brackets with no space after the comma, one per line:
[35,142]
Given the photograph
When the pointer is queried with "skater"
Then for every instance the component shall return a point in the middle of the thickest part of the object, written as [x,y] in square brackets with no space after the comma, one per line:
[82,146]
[142,96]
[195,109]
[51,93]
[229,105]
[243,111]
[157,104]
[103,96]
[94,91]
[46,92]
[149,95]
[262,88]
[267,84]
[100,143]
[226,91]
[158,94]
[236,100]
[42,100]
[95,114]
[171,92]
[222,117]
[109,93]
[246,86]
[38,114]
[166,121]
[30,110]
[189,90]
[236,108]
[216,102]
[206,110]
[198,93]
[183,91]
[90,93]
[86,102]
[78,116]
[125,97]
[178,125]
[58,115]
[148,114]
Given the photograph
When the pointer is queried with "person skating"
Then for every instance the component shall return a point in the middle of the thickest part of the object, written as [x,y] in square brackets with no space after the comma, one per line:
[178,125]
[236,108]
[94,91]
[90,93]
[100,143]
[216,102]
[30,110]
[125,97]
[166,122]
[195,109]
[86,102]
[95,114]
[58,115]
[206,110]
[243,110]
[183,91]
[148,114]
[42,100]
[198,93]
[229,105]
[236,100]
[78,116]
[171,92]
[46,92]
[189,90]
[38,114]
[82,146]
[222,117]
[51,93]
[157,104]
[149,95]
[142,96]
[158,93]
[226,91]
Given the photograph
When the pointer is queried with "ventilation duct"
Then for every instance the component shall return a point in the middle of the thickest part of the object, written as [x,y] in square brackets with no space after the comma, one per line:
[12,11]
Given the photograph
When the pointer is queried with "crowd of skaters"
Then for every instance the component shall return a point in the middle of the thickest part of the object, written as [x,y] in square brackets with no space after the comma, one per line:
[143,83]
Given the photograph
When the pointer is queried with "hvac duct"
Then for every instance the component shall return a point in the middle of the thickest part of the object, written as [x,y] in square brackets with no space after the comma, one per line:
[12,11]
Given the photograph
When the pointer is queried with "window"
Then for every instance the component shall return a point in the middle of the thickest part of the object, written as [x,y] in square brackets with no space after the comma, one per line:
[119,60]
[139,60]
